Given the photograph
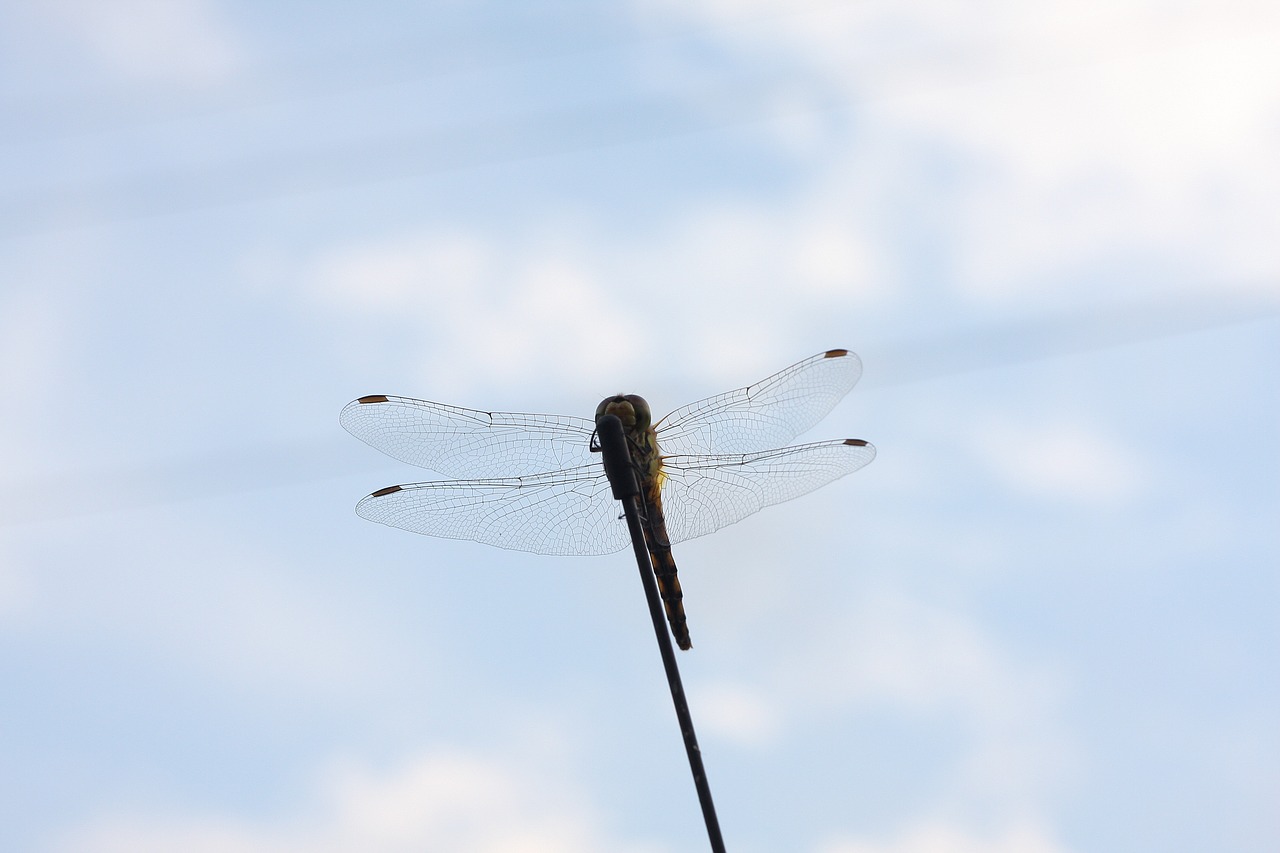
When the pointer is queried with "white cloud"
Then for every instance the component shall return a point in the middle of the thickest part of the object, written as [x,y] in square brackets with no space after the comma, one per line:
[1066,461]
[30,342]
[33,353]
[190,602]
[427,273]
[897,650]
[480,308]
[1081,132]
[186,42]
[925,661]
[450,801]
[816,246]
[1111,132]
[722,287]
[16,587]
[737,713]
[1163,153]
[944,838]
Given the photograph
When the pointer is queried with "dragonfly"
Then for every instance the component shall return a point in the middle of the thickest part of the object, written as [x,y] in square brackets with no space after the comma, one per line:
[531,482]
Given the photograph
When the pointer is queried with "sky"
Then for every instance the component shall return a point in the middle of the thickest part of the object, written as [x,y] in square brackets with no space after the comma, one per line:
[1042,621]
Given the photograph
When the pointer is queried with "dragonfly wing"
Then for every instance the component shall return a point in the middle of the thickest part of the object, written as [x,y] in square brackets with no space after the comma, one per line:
[468,443]
[701,494]
[564,512]
[765,415]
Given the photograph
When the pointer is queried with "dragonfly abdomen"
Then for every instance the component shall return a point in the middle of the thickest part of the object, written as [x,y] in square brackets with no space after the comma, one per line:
[664,568]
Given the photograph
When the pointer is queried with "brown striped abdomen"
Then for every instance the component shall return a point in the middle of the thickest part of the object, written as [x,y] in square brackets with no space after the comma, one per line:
[664,565]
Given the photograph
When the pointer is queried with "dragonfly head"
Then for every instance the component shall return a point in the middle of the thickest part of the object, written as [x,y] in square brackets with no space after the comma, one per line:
[631,409]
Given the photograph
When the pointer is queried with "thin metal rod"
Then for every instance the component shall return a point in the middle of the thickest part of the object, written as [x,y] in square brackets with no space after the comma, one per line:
[617,463]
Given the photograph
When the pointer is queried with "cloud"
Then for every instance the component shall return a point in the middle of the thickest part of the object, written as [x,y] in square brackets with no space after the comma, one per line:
[924,661]
[188,601]
[944,838]
[706,290]
[894,649]
[33,354]
[183,42]
[736,713]
[1063,460]
[929,665]
[16,587]
[481,309]
[30,342]
[1041,159]
[453,801]
[1069,135]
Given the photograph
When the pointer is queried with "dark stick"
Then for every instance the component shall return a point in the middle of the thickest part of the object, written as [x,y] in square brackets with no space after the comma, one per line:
[622,477]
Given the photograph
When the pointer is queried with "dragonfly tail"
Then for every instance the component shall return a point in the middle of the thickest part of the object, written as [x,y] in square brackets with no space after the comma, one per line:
[664,565]
[664,568]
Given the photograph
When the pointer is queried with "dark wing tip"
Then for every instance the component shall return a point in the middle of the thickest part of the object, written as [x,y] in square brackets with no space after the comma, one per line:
[388,490]
[835,353]
[373,398]
[854,442]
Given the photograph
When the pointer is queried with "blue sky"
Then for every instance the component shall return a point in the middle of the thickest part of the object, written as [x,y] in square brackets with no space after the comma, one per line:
[1042,621]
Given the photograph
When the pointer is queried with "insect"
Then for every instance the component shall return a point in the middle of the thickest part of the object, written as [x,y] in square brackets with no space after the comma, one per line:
[530,482]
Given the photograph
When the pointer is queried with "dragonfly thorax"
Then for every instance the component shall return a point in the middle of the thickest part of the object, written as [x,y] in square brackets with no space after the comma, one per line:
[631,409]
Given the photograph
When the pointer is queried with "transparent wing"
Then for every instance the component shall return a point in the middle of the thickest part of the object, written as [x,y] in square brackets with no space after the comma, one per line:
[468,443]
[701,494]
[765,415]
[569,512]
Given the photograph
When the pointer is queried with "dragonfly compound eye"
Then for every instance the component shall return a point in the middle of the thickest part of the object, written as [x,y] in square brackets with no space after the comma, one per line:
[643,415]
[632,410]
